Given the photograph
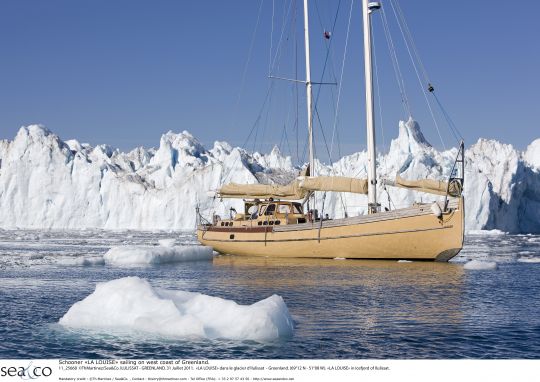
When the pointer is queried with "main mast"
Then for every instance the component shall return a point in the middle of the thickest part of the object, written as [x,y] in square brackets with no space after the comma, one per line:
[367,8]
[309,92]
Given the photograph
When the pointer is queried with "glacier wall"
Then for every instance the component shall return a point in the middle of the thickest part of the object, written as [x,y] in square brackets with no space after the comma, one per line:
[48,183]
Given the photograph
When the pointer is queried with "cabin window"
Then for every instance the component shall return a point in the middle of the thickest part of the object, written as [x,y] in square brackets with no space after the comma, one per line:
[263,209]
[270,209]
[284,209]
[278,222]
[259,223]
[231,236]
[297,208]
[265,223]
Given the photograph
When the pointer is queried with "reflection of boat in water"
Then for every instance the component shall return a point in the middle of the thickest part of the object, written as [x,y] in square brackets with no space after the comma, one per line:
[273,225]
[429,292]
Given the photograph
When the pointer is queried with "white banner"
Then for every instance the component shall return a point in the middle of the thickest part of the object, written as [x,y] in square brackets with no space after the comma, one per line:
[266,370]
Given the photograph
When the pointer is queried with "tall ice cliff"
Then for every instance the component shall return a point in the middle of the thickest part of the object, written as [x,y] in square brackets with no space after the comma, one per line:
[48,183]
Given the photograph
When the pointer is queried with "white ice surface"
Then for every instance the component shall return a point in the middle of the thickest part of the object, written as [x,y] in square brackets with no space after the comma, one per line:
[48,183]
[485,232]
[81,260]
[478,265]
[529,259]
[167,242]
[132,303]
[132,254]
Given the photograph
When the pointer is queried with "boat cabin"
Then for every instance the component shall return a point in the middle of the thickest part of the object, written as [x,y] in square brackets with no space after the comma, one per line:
[264,213]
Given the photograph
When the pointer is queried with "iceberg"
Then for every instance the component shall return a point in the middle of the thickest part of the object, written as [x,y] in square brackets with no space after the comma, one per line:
[48,183]
[131,303]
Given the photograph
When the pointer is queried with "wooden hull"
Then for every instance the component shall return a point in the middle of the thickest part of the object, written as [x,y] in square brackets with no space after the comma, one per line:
[413,233]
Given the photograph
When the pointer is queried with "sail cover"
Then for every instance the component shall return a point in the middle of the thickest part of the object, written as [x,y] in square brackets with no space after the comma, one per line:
[430,186]
[334,183]
[296,190]
[290,191]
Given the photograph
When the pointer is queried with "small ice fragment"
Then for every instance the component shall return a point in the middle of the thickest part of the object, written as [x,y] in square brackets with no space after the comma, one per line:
[131,254]
[132,303]
[89,261]
[485,232]
[529,259]
[84,261]
[478,265]
[35,256]
[167,242]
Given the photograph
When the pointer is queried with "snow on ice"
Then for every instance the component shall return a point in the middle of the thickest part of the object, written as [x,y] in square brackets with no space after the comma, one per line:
[132,254]
[48,183]
[132,303]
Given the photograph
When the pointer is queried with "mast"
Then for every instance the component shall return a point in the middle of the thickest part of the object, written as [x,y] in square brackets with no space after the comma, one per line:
[367,8]
[308,91]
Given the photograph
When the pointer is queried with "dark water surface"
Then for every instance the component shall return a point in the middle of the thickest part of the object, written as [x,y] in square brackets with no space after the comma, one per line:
[341,308]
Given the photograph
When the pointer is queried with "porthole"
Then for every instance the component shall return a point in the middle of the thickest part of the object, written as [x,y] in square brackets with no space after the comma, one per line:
[278,222]
[231,236]
[271,222]
[265,223]
[259,223]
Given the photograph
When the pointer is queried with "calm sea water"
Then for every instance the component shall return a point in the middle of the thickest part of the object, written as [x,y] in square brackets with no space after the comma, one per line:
[341,308]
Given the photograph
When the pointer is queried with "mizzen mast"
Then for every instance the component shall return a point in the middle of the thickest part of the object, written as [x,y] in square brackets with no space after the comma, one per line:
[367,8]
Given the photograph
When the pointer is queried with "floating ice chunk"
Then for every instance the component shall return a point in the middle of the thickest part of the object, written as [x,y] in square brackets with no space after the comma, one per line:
[36,256]
[167,242]
[478,265]
[84,261]
[132,303]
[89,261]
[485,232]
[131,254]
[529,259]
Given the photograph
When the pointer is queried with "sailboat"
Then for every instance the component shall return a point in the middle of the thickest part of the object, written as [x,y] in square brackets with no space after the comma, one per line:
[275,224]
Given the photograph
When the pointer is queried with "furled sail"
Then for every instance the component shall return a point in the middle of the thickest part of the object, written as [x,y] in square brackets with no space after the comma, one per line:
[296,190]
[430,186]
[334,183]
[290,191]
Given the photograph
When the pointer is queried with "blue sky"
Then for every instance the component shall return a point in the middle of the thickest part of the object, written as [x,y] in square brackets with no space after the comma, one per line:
[123,72]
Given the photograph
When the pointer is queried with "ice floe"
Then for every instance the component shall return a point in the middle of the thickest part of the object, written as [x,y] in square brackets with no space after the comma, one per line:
[478,265]
[132,303]
[131,254]
[81,260]
[167,242]
[529,260]
[494,232]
